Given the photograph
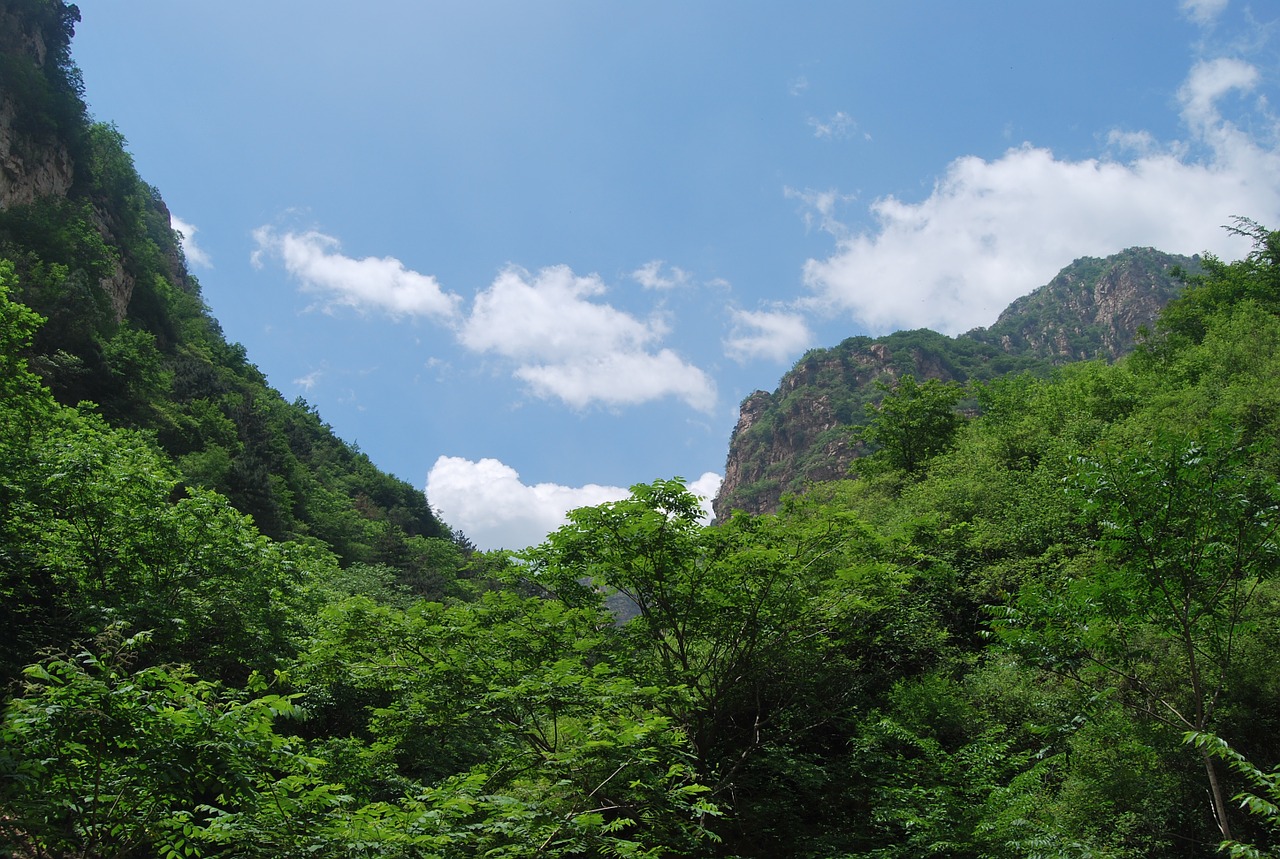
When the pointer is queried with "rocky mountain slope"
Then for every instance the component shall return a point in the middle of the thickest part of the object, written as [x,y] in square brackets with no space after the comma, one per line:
[799,433]
[89,246]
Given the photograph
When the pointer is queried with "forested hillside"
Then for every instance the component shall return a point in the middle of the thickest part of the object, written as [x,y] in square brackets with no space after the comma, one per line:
[125,328]
[1039,622]
[801,432]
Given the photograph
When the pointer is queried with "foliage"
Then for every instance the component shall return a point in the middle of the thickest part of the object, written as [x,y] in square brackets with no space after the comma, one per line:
[1262,800]
[915,422]
[1186,533]
[1255,278]
[509,700]
[989,644]
[98,757]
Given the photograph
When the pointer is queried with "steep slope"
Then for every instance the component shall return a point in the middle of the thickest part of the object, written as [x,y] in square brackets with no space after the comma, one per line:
[126,329]
[799,433]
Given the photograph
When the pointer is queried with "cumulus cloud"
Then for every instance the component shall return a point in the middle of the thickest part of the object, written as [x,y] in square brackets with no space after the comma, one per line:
[371,283]
[195,254]
[621,379]
[566,344]
[772,335]
[993,230]
[489,502]
[575,349]
[706,487]
[1203,11]
[650,276]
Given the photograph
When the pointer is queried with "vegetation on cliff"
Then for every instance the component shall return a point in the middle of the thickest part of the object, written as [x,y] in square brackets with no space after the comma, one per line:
[800,434]
[125,328]
[1040,623]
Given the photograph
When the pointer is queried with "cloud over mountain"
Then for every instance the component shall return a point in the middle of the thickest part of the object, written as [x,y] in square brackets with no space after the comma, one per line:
[990,230]
[771,335]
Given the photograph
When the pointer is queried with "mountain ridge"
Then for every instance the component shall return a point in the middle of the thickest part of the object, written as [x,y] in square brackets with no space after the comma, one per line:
[125,327]
[799,433]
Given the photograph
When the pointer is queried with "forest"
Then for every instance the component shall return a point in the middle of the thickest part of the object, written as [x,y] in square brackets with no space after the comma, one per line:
[1036,621]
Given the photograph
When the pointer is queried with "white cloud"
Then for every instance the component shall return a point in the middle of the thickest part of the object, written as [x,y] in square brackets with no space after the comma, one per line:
[773,335]
[650,276]
[370,283]
[621,379]
[550,315]
[706,487]
[195,254]
[489,502]
[1138,142]
[838,126]
[565,344]
[1203,11]
[993,230]
[309,381]
[575,349]
[821,204]
[1209,81]
[798,85]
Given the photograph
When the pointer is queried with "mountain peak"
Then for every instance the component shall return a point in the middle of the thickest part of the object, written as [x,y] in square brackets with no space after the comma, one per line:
[1093,308]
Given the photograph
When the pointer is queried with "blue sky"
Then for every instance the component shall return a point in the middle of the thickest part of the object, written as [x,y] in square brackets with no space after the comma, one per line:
[526,255]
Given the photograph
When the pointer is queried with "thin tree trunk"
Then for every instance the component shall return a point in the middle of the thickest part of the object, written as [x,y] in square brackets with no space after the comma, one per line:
[1215,790]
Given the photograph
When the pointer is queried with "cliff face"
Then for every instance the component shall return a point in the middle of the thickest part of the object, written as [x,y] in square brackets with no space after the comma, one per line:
[29,169]
[42,130]
[799,434]
[34,162]
[1092,308]
[92,250]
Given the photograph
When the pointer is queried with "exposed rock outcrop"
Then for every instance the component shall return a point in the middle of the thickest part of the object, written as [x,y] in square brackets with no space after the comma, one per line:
[29,169]
[42,132]
[1093,308]
[799,434]
[34,163]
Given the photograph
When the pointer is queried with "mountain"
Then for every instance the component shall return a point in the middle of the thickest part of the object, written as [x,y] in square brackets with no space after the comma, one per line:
[799,433]
[1032,632]
[126,331]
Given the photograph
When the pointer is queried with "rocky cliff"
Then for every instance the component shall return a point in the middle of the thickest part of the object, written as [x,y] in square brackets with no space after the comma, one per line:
[89,246]
[29,169]
[799,433]
[45,137]
[34,160]
[1092,308]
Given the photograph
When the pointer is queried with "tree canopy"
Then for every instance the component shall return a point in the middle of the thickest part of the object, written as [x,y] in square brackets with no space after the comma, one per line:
[1040,621]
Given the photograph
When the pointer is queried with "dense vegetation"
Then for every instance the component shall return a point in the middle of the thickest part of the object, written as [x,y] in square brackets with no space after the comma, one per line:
[1093,308]
[1041,626]
[125,328]
[993,643]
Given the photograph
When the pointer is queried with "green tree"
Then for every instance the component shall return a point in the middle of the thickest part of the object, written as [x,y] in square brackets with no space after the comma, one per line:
[1186,532]
[98,757]
[511,709]
[1256,278]
[715,610]
[770,631]
[914,422]
[1262,800]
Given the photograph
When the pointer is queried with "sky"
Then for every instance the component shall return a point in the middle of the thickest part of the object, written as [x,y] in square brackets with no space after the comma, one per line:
[527,255]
